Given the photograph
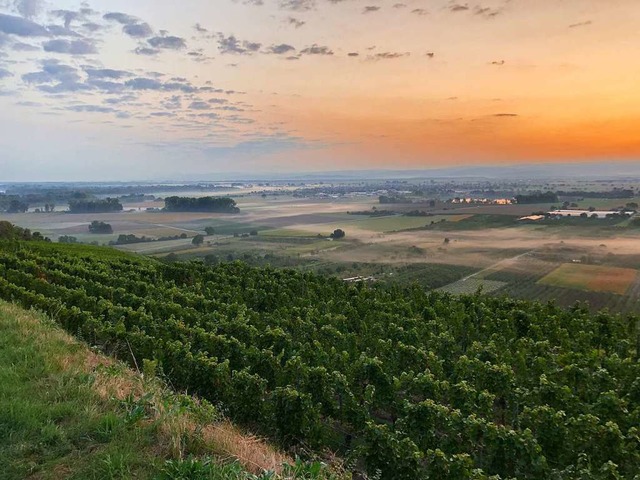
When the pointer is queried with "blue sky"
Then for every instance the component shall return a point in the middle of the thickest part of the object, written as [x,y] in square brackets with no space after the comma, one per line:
[155,89]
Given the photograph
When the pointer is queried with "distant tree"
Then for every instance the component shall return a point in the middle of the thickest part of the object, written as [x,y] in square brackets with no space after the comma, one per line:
[211,259]
[17,206]
[172,257]
[584,215]
[592,209]
[67,239]
[95,206]
[100,227]
[209,230]
[198,240]
[432,203]
[253,233]
[9,231]
[201,204]
[548,197]
[446,241]
[183,235]
[632,205]
[338,234]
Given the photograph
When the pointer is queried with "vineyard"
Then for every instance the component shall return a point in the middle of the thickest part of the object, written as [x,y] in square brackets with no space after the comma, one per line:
[402,383]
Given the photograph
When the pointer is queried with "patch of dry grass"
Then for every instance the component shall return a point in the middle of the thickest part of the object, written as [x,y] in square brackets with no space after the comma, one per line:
[179,432]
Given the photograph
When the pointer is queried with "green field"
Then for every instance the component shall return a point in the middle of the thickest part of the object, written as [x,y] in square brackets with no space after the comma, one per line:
[592,278]
[287,232]
[472,285]
[398,223]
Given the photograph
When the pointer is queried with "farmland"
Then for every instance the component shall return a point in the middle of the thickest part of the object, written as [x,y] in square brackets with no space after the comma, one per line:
[592,278]
[416,242]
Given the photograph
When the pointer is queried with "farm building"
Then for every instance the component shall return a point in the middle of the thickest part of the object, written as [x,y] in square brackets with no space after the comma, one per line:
[601,214]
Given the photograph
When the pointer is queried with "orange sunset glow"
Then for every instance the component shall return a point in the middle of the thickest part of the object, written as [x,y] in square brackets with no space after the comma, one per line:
[319,84]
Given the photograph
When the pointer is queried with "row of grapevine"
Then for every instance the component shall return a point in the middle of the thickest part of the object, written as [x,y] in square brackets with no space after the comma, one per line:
[407,383]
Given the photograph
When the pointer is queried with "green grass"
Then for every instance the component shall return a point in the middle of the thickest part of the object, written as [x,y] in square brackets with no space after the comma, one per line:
[79,250]
[472,285]
[477,222]
[429,275]
[52,422]
[399,222]
[287,232]
[67,412]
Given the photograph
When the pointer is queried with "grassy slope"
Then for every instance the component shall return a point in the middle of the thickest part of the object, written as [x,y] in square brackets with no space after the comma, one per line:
[67,412]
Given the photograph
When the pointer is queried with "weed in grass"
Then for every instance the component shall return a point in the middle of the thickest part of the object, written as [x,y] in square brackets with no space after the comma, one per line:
[115,467]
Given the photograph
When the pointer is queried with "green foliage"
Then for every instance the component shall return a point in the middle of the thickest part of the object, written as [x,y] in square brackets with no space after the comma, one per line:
[67,239]
[94,205]
[100,227]
[407,383]
[546,197]
[8,231]
[338,234]
[198,240]
[201,204]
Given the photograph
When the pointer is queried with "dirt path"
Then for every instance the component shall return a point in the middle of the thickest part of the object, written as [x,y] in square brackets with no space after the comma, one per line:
[495,266]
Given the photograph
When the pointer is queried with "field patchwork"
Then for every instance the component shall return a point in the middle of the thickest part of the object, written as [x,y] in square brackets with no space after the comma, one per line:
[592,278]
[469,286]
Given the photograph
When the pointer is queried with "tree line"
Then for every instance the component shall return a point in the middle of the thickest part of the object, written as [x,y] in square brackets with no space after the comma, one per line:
[201,204]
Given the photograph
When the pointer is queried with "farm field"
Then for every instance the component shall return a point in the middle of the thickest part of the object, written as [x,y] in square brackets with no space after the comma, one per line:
[472,285]
[476,240]
[592,278]
[397,223]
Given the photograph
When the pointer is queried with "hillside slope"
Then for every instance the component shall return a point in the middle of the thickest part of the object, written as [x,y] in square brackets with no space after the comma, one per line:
[402,383]
[69,412]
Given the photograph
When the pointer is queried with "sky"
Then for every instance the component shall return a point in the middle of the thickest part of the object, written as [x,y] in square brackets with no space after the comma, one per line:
[159,89]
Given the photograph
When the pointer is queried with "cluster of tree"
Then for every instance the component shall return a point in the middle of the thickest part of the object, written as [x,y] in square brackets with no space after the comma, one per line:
[338,234]
[106,205]
[13,204]
[128,239]
[9,231]
[100,227]
[540,197]
[201,204]
[418,213]
[374,213]
[48,207]
[135,197]
[19,198]
[409,384]
[67,239]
